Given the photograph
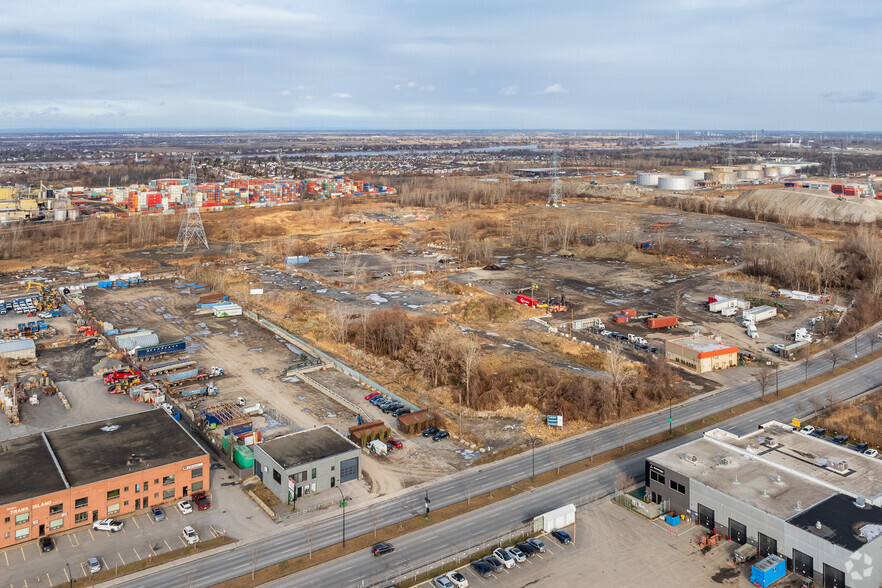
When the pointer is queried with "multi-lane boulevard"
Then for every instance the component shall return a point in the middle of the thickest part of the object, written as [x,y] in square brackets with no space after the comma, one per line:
[446,538]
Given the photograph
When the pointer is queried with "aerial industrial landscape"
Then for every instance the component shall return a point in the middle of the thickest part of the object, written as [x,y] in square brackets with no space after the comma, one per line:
[380,297]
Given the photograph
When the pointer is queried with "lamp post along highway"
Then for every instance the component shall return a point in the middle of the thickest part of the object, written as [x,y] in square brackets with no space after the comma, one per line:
[670,416]
[427,504]
[343,500]
[69,575]
[533,446]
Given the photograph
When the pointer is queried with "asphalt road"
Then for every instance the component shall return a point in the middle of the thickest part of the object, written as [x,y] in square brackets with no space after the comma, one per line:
[418,548]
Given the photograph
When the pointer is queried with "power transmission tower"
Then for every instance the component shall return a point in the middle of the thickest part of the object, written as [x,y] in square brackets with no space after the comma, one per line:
[192,229]
[555,195]
[235,247]
[833,173]
[730,161]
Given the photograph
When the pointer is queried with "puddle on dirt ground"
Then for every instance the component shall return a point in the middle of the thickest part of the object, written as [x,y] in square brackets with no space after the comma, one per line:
[725,574]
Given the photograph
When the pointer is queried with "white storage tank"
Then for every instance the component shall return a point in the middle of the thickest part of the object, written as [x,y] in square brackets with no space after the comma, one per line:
[73,214]
[750,174]
[648,178]
[787,170]
[721,175]
[60,214]
[696,173]
[675,183]
[771,171]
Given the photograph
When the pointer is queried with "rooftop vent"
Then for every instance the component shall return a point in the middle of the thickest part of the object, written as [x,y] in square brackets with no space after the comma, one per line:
[726,460]
[777,479]
[836,464]
[690,458]
[798,505]
[735,481]
[771,441]
[860,502]
[819,526]
[765,494]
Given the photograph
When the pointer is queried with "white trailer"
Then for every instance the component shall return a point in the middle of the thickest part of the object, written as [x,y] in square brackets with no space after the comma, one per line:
[227,310]
[722,303]
[729,311]
[758,314]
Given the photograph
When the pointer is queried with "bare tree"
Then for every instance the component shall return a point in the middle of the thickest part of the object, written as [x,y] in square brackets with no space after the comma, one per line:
[623,482]
[872,336]
[764,378]
[337,316]
[835,355]
[806,361]
[470,351]
[621,373]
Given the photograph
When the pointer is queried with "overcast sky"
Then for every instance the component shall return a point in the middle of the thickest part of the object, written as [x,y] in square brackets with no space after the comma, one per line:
[426,64]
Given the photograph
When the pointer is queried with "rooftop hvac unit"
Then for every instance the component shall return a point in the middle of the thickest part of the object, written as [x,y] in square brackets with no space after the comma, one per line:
[860,502]
[691,458]
[771,441]
[836,464]
[725,460]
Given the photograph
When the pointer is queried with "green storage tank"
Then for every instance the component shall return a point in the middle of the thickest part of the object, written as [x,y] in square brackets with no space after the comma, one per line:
[243,456]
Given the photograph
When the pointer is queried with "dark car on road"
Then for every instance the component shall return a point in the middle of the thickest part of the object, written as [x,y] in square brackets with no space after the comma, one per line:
[819,432]
[392,407]
[537,543]
[382,549]
[840,439]
[562,536]
[493,562]
[440,435]
[158,514]
[482,568]
[527,549]
[430,431]
[401,411]
[46,544]
[201,500]
[861,447]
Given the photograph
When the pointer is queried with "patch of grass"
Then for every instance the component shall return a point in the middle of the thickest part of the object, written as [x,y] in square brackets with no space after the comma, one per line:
[154,561]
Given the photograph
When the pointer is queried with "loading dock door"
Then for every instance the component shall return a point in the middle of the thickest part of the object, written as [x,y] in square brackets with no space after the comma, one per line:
[767,545]
[737,532]
[706,517]
[833,578]
[348,470]
[803,564]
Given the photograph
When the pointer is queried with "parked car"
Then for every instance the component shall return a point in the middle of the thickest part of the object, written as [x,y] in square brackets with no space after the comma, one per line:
[382,549]
[392,407]
[516,554]
[201,500]
[840,439]
[430,431]
[861,447]
[483,569]
[190,536]
[185,507]
[108,525]
[871,453]
[458,579]
[94,565]
[807,430]
[562,536]
[377,400]
[158,514]
[371,395]
[493,562]
[442,582]
[537,543]
[46,544]
[504,556]
[442,434]
[818,433]
[528,549]
[396,443]
[401,411]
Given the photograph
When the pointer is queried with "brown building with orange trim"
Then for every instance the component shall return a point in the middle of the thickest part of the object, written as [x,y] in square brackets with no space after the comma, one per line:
[71,477]
[701,354]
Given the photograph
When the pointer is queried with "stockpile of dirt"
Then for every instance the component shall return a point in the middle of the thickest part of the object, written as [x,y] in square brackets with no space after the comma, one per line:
[814,204]
[617,251]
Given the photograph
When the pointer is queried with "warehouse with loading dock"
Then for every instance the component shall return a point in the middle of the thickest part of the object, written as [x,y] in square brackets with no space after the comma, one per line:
[306,462]
[816,504]
[78,475]
[701,354]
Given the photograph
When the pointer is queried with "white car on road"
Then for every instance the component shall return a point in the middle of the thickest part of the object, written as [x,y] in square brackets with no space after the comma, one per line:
[185,507]
[108,525]
[807,430]
[504,556]
[457,579]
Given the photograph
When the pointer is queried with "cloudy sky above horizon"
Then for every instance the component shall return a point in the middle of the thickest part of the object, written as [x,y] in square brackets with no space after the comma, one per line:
[425,64]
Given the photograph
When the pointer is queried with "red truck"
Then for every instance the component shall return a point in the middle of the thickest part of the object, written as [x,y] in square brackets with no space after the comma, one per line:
[119,375]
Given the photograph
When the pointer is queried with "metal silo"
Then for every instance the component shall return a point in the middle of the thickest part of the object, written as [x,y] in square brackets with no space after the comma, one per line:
[648,178]
[771,171]
[696,173]
[787,170]
[675,183]
[750,174]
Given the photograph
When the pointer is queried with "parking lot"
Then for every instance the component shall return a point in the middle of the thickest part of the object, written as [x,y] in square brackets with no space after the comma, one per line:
[231,512]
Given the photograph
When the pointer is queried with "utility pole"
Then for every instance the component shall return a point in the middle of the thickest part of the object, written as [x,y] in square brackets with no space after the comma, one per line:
[192,229]
[460,414]
[343,506]
[69,575]
[670,416]
[533,445]
[427,504]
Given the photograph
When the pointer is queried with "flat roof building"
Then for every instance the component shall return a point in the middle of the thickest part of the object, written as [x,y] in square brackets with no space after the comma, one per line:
[813,502]
[306,462]
[71,477]
[18,349]
[701,354]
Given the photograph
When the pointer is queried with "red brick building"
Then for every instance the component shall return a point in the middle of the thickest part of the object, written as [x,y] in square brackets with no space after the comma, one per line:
[70,477]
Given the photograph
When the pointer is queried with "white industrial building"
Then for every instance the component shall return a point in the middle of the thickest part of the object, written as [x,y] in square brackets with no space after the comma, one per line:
[18,349]
[813,502]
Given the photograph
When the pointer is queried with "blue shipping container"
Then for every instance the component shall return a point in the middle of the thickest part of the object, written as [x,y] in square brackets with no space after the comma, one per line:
[768,570]
[105,284]
[161,349]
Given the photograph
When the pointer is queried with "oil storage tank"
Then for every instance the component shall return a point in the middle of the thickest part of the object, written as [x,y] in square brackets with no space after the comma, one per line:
[696,173]
[722,174]
[771,171]
[648,178]
[787,170]
[749,174]
[675,183]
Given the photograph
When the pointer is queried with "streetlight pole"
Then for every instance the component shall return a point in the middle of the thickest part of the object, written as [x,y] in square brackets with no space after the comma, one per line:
[670,416]
[69,575]
[533,445]
[460,414]
[777,365]
[343,504]
[855,346]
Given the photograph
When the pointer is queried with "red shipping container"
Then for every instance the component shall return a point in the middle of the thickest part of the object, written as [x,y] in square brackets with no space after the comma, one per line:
[620,319]
[663,321]
[531,302]
[629,312]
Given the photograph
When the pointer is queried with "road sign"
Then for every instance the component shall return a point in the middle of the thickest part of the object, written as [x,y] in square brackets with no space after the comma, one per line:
[554,420]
